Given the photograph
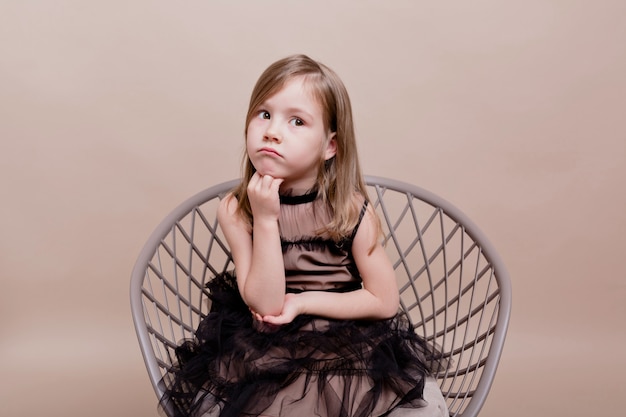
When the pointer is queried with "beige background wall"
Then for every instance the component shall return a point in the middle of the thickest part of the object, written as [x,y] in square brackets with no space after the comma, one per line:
[112,112]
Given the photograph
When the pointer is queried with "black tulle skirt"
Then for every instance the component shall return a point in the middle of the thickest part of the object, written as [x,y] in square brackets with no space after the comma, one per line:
[313,366]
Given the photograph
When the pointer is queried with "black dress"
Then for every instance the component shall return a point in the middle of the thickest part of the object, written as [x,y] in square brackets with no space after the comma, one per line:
[311,367]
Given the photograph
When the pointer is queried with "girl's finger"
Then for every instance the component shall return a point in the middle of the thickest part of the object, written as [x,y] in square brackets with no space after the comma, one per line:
[276,184]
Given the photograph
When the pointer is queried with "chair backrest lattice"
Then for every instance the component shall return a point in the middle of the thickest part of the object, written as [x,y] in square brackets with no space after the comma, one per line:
[454,288]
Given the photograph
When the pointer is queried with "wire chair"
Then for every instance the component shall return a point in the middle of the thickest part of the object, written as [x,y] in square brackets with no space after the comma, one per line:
[453,285]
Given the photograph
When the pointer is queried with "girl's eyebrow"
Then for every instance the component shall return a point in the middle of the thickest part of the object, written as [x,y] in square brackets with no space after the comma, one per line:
[299,111]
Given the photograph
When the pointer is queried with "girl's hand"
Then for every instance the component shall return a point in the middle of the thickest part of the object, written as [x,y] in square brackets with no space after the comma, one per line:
[256,316]
[263,196]
[261,326]
[291,309]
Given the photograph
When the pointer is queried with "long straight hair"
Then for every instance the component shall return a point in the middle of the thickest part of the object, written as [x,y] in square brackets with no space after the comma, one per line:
[339,180]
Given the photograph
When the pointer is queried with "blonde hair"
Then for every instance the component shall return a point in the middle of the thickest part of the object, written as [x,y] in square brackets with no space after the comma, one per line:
[339,179]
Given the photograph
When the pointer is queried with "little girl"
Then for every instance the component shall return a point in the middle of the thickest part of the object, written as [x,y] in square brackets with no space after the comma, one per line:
[308,323]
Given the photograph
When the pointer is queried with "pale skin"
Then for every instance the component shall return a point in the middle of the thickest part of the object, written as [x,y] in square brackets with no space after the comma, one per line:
[285,144]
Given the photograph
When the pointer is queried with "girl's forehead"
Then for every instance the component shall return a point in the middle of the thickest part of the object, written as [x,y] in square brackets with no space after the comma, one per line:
[297,88]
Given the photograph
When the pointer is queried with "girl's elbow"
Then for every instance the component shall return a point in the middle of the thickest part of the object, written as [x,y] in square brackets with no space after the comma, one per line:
[389,311]
[262,306]
[386,304]
[270,310]
[390,308]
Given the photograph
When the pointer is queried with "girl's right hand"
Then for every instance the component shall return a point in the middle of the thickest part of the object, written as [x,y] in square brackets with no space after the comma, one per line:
[263,196]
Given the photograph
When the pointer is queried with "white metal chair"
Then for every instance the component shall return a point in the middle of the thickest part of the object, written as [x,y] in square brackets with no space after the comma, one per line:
[453,284]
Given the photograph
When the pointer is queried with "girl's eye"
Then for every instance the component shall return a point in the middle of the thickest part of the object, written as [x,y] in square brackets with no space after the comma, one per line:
[263,114]
[297,121]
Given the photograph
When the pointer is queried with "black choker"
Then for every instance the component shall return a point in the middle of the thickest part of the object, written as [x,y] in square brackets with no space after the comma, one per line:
[298,199]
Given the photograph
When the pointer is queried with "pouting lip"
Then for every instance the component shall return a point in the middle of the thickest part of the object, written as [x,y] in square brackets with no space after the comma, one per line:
[270,151]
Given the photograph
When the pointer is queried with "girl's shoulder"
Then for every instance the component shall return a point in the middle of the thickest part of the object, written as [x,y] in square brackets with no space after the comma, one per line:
[228,212]
[356,200]
[228,204]
[359,202]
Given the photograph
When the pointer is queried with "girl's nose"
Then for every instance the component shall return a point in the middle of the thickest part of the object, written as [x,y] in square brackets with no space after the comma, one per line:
[273,133]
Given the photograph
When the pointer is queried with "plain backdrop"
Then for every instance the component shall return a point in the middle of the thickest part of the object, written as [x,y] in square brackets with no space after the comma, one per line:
[113,112]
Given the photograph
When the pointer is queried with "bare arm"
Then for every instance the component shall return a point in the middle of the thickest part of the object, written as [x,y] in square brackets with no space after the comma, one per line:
[259,261]
[378,299]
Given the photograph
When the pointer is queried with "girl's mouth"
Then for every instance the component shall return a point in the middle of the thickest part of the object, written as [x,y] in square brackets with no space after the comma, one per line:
[269,151]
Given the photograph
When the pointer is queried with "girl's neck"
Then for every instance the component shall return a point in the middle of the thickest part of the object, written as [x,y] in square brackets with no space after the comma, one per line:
[297,188]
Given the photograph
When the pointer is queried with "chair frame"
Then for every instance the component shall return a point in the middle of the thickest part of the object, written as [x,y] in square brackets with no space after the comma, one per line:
[465,402]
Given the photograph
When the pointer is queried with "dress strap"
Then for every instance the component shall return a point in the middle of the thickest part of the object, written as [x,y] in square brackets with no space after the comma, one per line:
[361,215]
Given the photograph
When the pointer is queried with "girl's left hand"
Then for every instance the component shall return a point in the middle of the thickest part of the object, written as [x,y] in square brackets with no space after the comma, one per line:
[256,316]
[261,326]
[291,310]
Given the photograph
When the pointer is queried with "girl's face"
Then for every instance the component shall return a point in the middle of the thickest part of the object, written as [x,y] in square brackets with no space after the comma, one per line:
[287,139]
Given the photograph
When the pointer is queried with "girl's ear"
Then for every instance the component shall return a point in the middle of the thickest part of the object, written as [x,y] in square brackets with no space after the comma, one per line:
[331,146]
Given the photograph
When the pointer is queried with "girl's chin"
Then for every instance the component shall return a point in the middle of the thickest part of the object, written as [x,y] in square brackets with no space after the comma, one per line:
[263,170]
[263,173]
